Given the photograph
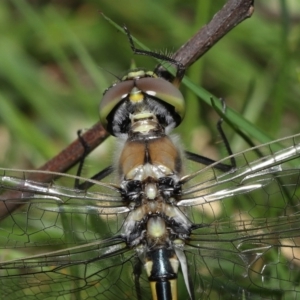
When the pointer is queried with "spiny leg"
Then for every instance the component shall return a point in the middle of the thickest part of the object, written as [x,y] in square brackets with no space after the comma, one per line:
[224,137]
[99,176]
[180,68]
[207,161]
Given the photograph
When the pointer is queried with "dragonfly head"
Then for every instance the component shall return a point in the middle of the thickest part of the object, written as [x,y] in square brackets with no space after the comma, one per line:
[141,92]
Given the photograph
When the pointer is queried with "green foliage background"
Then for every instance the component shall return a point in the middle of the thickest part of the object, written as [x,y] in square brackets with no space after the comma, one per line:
[56,59]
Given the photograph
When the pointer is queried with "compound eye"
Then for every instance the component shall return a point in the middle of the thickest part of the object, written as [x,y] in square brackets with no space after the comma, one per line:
[112,97]
[164,91]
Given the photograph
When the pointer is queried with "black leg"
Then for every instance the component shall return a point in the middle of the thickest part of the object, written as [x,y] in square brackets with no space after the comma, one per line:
[82,159]
[224,138]
[207,161]
[99,176]
[180,68]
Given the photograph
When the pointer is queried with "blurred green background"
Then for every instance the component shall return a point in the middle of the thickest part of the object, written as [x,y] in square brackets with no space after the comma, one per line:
[56,59]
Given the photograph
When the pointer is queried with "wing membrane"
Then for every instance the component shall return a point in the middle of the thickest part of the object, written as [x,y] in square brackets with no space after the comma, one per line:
[95,270]
[244,244]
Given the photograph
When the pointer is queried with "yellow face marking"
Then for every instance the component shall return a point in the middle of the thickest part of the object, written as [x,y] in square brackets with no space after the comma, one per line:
[136,95]
[135,74]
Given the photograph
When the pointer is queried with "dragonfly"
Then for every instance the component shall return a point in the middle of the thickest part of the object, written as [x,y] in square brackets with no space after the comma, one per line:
[160,222]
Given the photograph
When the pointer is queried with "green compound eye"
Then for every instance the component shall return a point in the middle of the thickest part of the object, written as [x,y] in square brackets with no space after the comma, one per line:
[154,88]
[112,98]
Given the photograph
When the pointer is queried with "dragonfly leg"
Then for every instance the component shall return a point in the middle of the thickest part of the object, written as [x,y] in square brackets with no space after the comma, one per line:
[207,161]
[224,137]
[99,176]
[82,159]
[180,67]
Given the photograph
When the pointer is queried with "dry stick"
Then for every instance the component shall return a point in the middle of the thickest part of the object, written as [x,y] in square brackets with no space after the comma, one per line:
[232,13]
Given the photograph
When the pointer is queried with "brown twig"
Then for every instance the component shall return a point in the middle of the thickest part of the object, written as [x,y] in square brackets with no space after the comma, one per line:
[233,13]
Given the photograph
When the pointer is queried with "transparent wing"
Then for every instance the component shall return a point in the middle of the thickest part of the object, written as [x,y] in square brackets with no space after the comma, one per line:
[56,214]
[101,270]
[57,244]
[248,241]
[245,242]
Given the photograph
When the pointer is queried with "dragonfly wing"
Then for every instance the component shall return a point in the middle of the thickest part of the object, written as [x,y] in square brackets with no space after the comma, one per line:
[209,184]
[246,236]
[100,270]
[255,259]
